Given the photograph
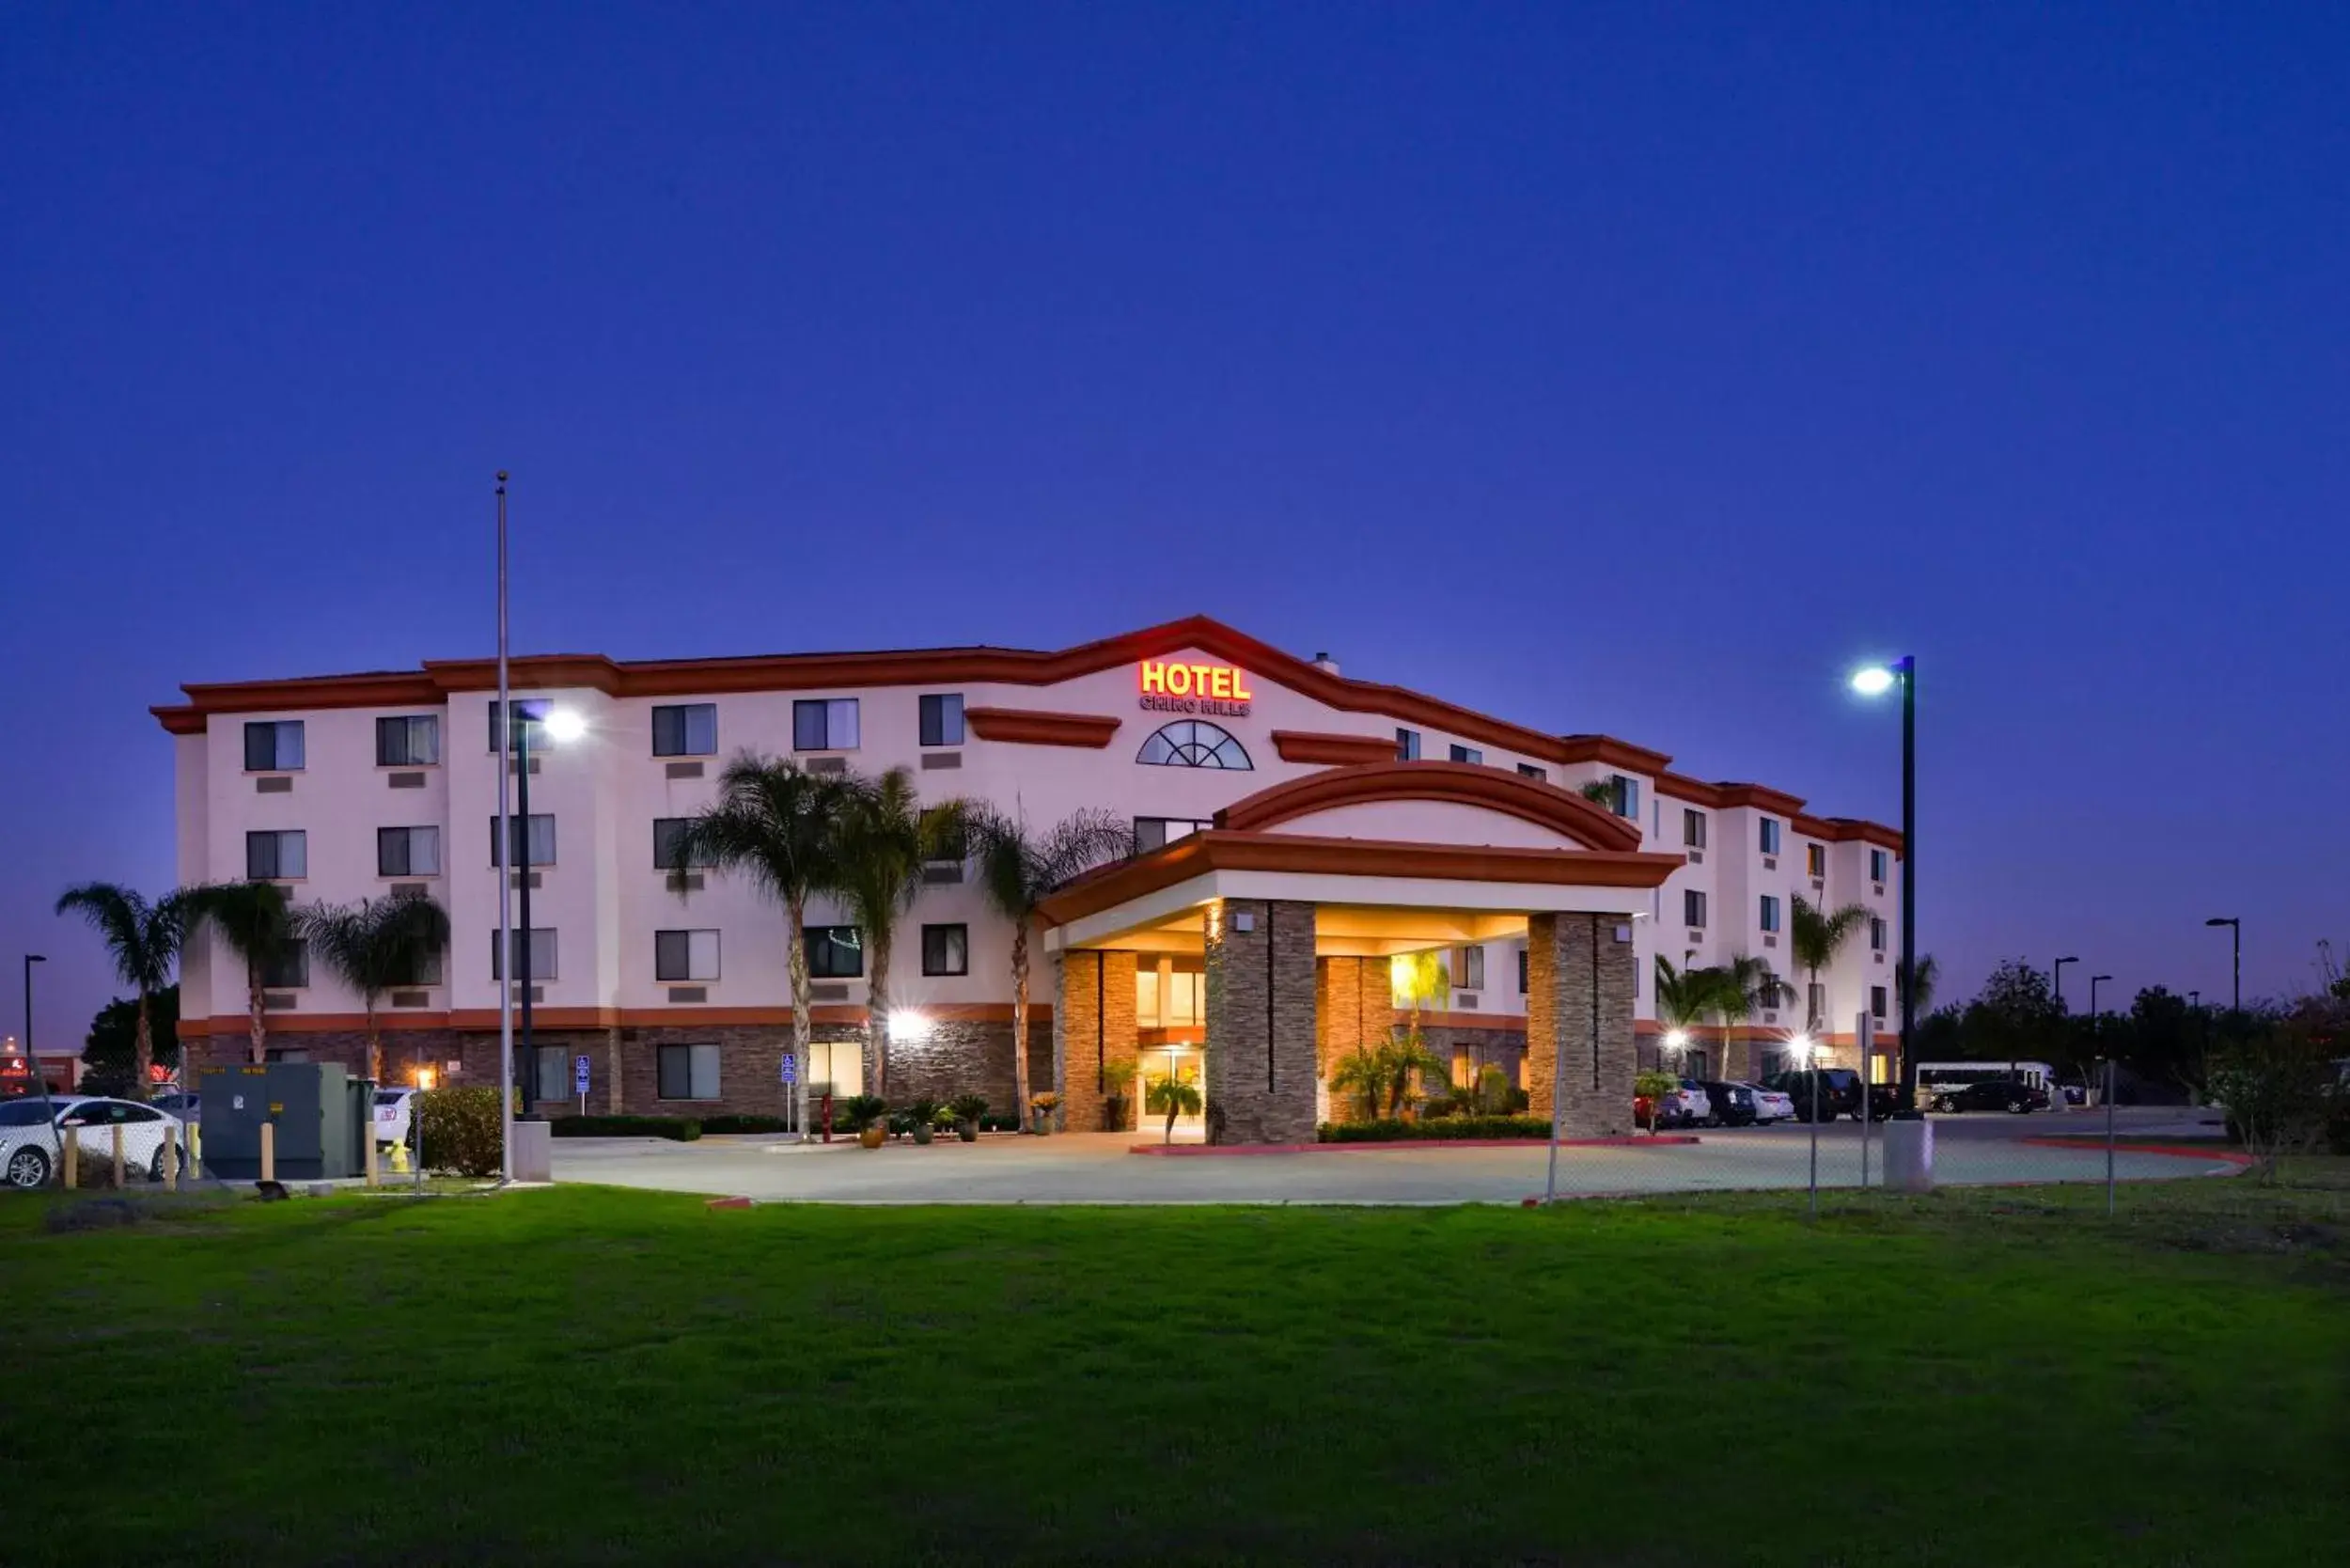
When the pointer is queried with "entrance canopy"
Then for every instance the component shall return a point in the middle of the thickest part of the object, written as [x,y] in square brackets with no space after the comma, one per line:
[1396,857]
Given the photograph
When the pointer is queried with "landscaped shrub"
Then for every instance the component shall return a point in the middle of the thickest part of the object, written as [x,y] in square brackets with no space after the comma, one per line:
[678,1129]
[716,1124]
[996,1122]
[1443,1130]
[459,1130]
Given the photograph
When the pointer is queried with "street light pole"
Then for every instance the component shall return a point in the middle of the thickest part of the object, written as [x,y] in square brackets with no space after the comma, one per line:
[1876,681]
[506,886]
[2096,1039]
[518,869]
[2235,933]
[2056,972]
[32,1059]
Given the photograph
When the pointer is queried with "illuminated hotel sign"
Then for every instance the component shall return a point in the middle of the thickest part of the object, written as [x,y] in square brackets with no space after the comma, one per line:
[1174,688]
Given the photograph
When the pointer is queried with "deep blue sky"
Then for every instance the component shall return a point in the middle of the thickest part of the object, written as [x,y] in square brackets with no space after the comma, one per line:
[1630,368]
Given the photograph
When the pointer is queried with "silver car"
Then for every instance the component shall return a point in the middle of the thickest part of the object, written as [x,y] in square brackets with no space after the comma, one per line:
[30,1145]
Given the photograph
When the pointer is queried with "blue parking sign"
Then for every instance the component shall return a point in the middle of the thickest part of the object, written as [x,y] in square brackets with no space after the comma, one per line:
[791,1067]
[579,1074]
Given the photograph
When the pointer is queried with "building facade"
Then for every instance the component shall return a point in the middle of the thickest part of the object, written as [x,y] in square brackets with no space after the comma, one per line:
[1295,832]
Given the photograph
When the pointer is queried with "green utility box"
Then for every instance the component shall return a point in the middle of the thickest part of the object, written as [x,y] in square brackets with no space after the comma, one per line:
[321,1113]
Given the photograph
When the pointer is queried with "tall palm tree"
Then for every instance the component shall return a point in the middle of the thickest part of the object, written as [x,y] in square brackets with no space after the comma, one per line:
[375,945]
[1684,996]
[253,919]
[885,836]
[143,940]
[1817,936]
[1744,986]
[779,826]
[1018,867]
[1928,972]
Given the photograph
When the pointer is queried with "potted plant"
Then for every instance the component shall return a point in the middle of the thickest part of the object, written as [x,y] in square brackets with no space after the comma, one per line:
[1172,1097]
[1118,1079]
[922,1120]
[1041,1109]
[861,1114]
[967,1110]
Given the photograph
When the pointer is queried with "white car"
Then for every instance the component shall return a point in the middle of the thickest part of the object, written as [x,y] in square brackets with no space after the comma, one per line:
[29,1145]
[1771,1106]
[393,1109]
[1689,1106]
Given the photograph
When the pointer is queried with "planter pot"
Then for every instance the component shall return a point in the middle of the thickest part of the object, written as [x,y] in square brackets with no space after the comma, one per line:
[968,1131]
[872,1138]
[923,1135]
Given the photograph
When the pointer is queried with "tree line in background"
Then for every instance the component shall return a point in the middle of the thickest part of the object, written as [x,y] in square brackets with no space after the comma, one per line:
[798,836]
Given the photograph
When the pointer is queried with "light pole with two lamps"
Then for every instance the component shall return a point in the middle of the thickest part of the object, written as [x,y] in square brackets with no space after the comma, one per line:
[1877,681]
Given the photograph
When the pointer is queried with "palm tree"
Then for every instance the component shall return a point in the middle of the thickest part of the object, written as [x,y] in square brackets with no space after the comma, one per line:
[1174,1097]
[1744,987]
[1928,972]
[375,945]
[253,919]
[143,940]
[1684,996]
[1816,935]
[778,824]
[885,836]
[1017,868]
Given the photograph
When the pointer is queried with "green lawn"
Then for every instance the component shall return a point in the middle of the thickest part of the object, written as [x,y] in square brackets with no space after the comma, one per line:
[591,1375]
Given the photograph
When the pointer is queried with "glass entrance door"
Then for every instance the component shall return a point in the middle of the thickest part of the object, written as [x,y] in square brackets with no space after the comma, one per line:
[1183,1065]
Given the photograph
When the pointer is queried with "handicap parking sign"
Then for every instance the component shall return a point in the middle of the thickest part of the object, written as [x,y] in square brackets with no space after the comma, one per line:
[579,1075]
[791,1067]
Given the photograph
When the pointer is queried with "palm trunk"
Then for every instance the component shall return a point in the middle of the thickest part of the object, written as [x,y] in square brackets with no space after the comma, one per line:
[795,961]
[144,1055]
[1020,1021]
[253,1003]
[877,1014]
[375,1043]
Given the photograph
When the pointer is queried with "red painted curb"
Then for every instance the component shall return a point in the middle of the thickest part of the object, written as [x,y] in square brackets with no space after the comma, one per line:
[2094,1143]
[1642,1141]
[727,1203]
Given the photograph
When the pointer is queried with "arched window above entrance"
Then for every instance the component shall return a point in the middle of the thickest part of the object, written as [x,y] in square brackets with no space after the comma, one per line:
[1193,744]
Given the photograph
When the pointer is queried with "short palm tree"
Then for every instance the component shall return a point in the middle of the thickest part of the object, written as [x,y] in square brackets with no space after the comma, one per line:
[1170,1097]
[1744,987]
[254,921]
[1018,868]
[1362,1073]
[143,940]
[1408,1056]
[1817,936]
[885,836]
[375,945]
[779,826]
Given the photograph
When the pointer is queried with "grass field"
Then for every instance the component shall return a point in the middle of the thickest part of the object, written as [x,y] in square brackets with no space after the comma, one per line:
[591,1375]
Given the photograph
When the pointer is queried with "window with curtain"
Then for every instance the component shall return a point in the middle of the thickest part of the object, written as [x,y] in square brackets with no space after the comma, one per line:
[687,1073]
[685,729]
[686,955]
[408,852]
[410,742]
[534,842]
[277,856]
[825,724]
[272,746]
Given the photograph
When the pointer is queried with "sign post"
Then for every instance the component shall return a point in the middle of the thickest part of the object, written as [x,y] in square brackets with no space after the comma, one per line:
[579,1081]
[791,1071]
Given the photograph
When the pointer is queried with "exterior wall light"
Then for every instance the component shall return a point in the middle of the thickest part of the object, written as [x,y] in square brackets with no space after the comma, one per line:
[908,1027]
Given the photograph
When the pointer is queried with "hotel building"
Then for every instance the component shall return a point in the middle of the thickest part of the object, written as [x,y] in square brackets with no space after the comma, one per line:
[1294,830]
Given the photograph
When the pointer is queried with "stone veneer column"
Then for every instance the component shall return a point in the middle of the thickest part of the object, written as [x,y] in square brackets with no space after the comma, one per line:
[1261,1019]
[1094,1027]
[1355,1007]
[1569,958]
[612,1095]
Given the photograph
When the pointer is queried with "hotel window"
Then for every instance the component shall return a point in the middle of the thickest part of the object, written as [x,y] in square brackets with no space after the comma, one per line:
[283,856]
[1693,829]
[1152,833]
[423,968]
[1770,912]
[553,1067]
[1623,796]
[1877,933]
[667,847]
[1879,863]
[531,712]
[1406,745]
[1815,859]
[1877,1003]
[1193,743]
[1466,754]
[414,741]
[1469,968]
[1693,908]
[688,1072]
[534,959]
[1521,972]
[407,852]
[947,949]
[824,725]
[538,851]
[1770,835]
[942,719]
[1530,771]
[686,955]
[834,952]
[272,747]
[287,968]
[687,729]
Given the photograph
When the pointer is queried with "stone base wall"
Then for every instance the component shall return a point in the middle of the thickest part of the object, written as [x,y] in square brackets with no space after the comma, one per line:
[1260,1068]
[1093,1032]
[1354,1006]
[1578,1009]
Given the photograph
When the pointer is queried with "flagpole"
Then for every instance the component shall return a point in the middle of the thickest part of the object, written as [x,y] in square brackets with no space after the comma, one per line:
[503,719]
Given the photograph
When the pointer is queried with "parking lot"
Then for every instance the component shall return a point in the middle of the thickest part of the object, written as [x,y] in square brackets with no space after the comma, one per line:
[1101,1168]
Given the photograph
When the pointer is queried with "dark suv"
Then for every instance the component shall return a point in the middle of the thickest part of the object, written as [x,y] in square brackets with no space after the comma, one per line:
[1839,1093]
[2011,1095]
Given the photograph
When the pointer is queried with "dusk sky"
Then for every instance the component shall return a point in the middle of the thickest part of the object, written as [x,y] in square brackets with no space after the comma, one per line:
[1636,369]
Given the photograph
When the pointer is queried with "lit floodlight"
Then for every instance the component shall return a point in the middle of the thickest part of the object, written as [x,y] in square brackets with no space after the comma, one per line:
[908,1027]
[1873,681]
[564,724]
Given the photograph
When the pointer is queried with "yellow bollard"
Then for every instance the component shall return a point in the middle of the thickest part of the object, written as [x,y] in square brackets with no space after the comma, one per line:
[196,1152]
[73,1157]
[171,1156]
[119,1178]
[269,1151]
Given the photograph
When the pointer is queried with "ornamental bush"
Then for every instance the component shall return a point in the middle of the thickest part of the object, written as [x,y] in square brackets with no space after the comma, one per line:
[458,1130]
[678,1129]
[1443,1130]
